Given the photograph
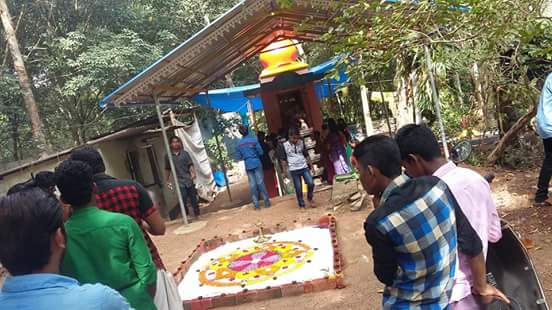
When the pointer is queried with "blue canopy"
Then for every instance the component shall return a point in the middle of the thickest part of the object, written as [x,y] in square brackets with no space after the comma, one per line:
[230,99]
[235,99]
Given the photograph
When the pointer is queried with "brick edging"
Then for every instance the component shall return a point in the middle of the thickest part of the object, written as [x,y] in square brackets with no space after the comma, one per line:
[293,289]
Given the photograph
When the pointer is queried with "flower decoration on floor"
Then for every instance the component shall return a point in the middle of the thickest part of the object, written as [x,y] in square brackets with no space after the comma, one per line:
[255,264]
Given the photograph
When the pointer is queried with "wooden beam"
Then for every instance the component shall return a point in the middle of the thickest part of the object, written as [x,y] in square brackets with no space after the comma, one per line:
[168,88]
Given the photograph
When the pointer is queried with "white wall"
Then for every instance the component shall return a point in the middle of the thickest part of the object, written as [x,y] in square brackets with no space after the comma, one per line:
[114,154]
[25,174]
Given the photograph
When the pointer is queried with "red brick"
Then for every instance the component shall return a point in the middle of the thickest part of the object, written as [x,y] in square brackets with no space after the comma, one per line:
[203,246]
[339,282]
[323,285]
[308,287]
[269,293]
[187,305]
[233,238]
[224,301]
[207,303]
[293,289]
[195,255]
[197,304]
[324,221]
[245,297]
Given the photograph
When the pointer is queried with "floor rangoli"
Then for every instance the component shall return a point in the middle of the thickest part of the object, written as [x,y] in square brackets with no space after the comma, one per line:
[299,255]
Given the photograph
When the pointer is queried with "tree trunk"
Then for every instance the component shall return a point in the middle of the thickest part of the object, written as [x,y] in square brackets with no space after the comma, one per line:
[507,138]
[417,116]
[478,85]
[15,135]
[24,81]
[368,125]
[458,85]
[404,106]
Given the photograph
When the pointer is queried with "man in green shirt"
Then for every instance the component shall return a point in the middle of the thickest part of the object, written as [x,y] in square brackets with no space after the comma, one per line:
[104,247]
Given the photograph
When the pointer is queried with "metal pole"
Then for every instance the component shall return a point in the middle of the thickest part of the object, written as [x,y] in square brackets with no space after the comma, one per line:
[171,162]
[436,101]
[219,150]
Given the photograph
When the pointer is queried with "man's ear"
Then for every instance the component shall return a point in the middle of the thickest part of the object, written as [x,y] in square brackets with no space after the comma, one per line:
[411,159]
[372,170]
[94,188]
[59,238]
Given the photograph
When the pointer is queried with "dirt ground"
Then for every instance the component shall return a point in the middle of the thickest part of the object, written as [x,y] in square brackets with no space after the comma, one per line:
[511,190]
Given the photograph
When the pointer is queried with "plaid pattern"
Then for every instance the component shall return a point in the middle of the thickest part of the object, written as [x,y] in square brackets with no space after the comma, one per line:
[423,235]
[125,197]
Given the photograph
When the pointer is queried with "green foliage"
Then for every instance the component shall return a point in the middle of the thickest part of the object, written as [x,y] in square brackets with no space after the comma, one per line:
[216,158]
[508,42]
[14,139]
[78,51]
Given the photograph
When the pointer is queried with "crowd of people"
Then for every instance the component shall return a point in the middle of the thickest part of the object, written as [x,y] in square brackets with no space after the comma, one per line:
[275,161]
[429,231]
[95,233]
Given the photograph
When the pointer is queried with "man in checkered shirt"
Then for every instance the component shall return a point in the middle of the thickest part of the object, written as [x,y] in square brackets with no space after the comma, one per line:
[124,196]
[414,232]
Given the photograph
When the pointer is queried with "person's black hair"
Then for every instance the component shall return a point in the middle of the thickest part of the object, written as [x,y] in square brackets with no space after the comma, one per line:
[243,130]
[380,152]
[27,221]
[19,187]
[293,131]
[74,180]
[332,125]
[44,180]
[261,134]
[91,156]
[282,133]
[417,140]
[175,138]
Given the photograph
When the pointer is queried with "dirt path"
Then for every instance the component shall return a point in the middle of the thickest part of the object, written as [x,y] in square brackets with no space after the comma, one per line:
[511,191]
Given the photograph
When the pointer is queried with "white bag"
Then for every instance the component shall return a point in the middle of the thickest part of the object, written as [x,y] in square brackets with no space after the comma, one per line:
[166,294]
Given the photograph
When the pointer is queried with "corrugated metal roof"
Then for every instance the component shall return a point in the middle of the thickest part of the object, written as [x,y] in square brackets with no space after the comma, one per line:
[220,47]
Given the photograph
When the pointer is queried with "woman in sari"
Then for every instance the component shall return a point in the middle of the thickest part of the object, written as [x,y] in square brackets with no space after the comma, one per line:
[335,144]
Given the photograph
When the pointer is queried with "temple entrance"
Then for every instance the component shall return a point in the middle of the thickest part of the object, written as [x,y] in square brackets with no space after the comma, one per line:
[291,106]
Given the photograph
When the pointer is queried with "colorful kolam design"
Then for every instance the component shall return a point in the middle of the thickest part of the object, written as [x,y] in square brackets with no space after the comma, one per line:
[255,264]
[220,268]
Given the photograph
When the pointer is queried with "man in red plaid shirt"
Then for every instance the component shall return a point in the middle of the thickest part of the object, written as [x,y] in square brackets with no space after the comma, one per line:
[124,196]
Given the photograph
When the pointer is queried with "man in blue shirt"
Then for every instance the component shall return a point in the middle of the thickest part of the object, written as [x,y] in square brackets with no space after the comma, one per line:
[33,243]
[250,151]
[544,128]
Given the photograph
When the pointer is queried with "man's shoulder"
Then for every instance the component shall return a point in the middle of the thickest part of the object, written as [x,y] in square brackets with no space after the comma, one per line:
[73,296]
[465,177]
[105,184]
[407,194]
[414,189]
[98,293]
[115,218]
[247,141]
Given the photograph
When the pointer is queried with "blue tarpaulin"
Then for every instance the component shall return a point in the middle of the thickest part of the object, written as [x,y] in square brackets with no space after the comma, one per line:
[230,99]
[234,99]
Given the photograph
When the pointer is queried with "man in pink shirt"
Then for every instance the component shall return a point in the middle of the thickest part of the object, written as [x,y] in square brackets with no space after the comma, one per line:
[421,156]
